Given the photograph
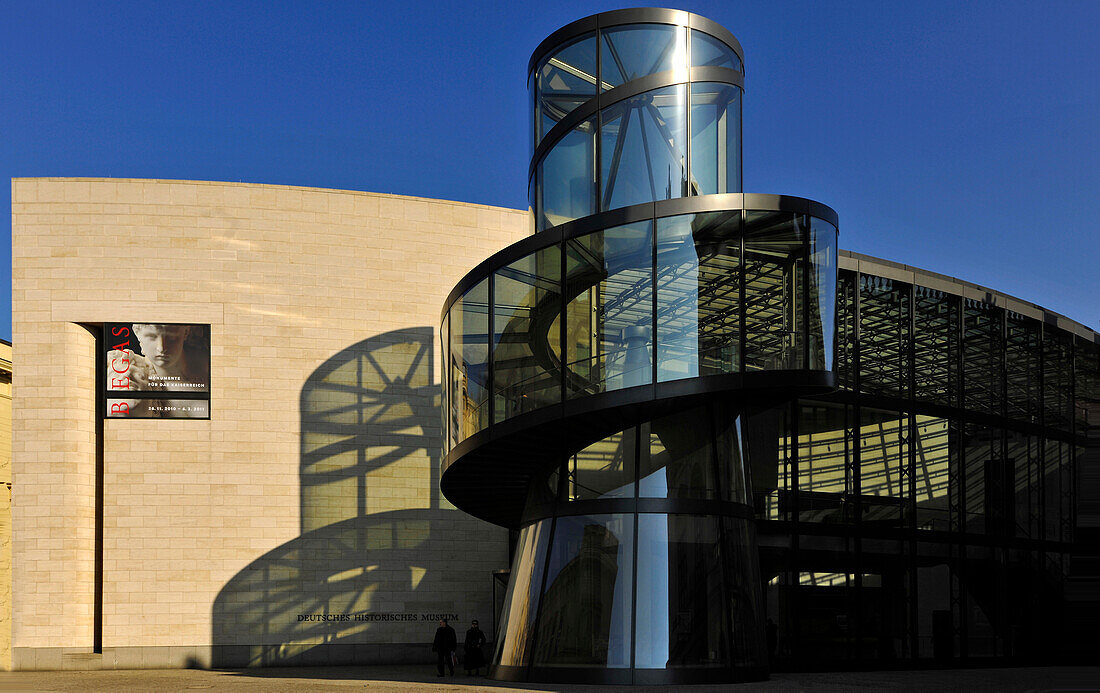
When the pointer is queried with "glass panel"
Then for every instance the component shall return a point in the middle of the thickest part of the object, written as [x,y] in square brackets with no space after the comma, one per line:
[775,259]
[678,457]
[698,322]
[822,313]
[1022,361]
[567,178]
[1087,387]
[610,311]
[715,138]
[585,616]
[1022,458]
[1055,456]
[470,362]
[445,390]
[936,345]
[846,330]
[824,485]
[769,450]
[733,470]
[643,153]
[933,438]
[630,52]
[522,601]
[709,51]
[565,80]
[982,357]
[604,469]
[742,575]
[683,618]
[981,454]
[1057,379]
[883,325]
[934,623]
[527,334]
[883,488]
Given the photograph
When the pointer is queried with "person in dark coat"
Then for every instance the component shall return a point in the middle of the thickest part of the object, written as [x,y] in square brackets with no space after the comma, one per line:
[444,646]
[475,639]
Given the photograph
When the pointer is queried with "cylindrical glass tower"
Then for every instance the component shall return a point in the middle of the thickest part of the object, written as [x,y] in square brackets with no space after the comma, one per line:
[597,374]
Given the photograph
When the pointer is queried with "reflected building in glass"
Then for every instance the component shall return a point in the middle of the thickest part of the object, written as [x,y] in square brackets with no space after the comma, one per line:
[726,446]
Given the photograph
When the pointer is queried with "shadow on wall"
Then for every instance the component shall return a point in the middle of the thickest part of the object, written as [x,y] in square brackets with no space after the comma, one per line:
[375,564]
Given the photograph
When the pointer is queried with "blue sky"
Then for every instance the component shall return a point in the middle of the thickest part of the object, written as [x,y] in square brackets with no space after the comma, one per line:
[962,138]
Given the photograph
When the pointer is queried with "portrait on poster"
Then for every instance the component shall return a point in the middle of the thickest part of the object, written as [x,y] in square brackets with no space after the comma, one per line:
[167,363]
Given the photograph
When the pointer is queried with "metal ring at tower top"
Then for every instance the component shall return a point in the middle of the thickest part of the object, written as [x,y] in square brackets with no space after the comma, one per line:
[640,15]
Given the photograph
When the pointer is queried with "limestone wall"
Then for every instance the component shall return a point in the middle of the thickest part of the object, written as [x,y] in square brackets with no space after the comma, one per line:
[309,502]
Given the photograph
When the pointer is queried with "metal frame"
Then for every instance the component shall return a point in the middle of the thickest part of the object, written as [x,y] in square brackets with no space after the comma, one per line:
[641,15]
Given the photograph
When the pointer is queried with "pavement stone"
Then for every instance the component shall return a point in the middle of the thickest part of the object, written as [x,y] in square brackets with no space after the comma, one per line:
[401,679]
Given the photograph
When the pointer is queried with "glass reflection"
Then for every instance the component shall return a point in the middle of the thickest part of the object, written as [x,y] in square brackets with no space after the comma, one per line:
[1057,379]
[883,325]
[566,179]
[584,620]
[634,51]
[823,480]
[982,357]
[469,318]
[982,459]
[682,608]
[445,409]
[520,604]
[709,51]
[935,345]
[604,469]
[774,311]
[1022,360]
[609,315]
[934,440]
[644,148]
[715,138]
[882,484]
[698,321]
[565,80]
[527,335]
[678,457]
[822,294]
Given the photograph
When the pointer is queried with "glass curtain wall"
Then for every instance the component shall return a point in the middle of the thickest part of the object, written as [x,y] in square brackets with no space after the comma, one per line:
[692,600]
[637,147]
[678,297]
[951,423]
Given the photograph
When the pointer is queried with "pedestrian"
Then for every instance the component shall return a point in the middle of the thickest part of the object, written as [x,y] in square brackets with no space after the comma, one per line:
[475,639]
[444,647]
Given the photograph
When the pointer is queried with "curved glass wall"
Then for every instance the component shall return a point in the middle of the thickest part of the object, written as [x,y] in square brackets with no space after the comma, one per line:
[691,602]
[652,301]
[633,51]
[572,74]
[644,148]
[636,147]
[562,82]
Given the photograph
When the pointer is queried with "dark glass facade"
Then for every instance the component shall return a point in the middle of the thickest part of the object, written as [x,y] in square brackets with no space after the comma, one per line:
[728,447]
[926,510]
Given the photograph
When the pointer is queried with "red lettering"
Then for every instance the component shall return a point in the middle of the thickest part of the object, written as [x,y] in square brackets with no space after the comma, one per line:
[125,365]
[120,331]
[121,346]
[120,408]
[122,383]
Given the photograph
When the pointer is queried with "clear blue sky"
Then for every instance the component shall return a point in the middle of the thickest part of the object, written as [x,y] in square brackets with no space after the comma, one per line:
[961,137]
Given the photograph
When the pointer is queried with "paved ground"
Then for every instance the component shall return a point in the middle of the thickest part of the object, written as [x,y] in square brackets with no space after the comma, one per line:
[394,679]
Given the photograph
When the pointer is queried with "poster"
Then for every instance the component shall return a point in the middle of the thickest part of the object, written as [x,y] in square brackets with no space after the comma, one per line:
[167,363]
